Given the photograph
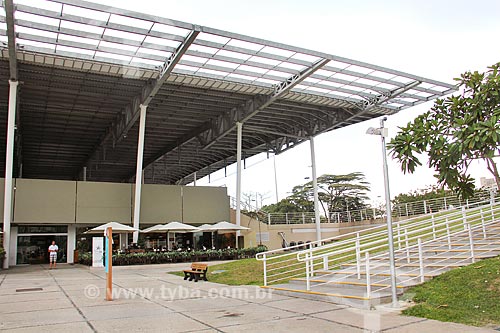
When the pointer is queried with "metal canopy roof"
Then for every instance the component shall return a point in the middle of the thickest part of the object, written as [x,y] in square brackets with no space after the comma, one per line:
[85,68]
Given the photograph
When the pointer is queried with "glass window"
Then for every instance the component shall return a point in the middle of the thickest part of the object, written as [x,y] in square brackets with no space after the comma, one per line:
[42,229]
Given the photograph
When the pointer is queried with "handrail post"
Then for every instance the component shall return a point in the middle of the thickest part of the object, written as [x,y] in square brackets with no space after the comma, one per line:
[311,267]
[398,226]
[358,256]
[303,218]
[471,242]
[308,277]
[482,223]
[421,260]
[368,279]
[407,246]
[448,234]
[264,261]
[425,207]
[325,263]
[464,218]
[286,218]
[269,218]
[433,226]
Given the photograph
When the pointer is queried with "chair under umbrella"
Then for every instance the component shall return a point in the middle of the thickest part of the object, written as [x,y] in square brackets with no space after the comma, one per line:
[208,228]
[175,227]
[222,227]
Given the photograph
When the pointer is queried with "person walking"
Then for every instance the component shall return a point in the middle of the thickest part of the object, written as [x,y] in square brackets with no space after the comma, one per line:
[53,254]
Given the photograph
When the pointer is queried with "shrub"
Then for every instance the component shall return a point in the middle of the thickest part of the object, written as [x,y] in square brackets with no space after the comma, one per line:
[148,258]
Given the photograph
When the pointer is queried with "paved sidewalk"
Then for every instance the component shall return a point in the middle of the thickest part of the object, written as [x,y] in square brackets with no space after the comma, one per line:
[147,299]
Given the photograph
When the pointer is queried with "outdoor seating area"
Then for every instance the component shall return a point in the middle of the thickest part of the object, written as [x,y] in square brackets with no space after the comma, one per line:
[152,247]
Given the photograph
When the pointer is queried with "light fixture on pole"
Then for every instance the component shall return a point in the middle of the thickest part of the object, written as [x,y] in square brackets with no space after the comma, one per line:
[383,132]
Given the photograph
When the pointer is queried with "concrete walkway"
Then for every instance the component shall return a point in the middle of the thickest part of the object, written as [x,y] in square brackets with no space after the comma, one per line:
[147,299]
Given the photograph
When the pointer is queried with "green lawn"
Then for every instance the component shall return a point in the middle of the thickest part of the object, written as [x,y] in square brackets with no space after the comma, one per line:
[238,272]
[468,295]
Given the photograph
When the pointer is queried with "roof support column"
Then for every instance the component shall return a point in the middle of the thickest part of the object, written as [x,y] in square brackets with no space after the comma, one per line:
[194,179]
[138,173]
[315,191]
[239,128]
[9,161]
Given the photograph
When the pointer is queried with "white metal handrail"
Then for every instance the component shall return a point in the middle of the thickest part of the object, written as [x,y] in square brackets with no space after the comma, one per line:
[281,259]
[371,213]
[466,223]
[471,247]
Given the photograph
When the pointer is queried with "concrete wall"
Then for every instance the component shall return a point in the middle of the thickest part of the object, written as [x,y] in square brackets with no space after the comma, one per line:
[65,202]
[200,204]
[160,203]
[103,202]
[44,201]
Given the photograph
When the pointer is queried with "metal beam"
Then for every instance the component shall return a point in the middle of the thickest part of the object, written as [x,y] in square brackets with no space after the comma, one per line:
[11,38]
[205,133]
[127,118]
[227,122]
[369,104]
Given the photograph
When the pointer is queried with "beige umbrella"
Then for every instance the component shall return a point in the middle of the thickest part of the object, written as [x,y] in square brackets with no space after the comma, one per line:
[226,227]
[155,229]
[117,228]
[175,227]
[209,228]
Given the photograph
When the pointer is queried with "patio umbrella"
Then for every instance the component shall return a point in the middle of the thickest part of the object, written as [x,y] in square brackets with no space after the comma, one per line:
[176,227]
[226,227]
[156,229]
[117,228]
[208,228]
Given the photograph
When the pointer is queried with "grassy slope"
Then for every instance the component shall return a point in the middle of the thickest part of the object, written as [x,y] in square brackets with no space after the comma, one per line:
[239,272]
[468,295]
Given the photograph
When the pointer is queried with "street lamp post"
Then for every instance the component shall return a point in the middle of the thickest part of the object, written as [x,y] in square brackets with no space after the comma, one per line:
[383,132]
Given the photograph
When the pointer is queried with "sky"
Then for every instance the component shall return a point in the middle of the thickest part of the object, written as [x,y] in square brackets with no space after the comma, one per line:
[434,39]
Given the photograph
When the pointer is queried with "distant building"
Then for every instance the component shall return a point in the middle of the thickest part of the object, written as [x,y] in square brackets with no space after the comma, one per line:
[488,183]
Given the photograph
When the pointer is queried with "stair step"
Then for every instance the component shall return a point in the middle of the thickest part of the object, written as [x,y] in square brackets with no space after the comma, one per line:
[364,298]
[381,264]
[454,250]
[426,275]
[350,283]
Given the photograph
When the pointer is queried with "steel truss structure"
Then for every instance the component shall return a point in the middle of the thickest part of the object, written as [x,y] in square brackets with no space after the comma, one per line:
[85,69]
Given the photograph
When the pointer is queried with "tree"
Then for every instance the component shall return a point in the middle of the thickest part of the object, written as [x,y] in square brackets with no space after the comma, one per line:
[335,193]
[414,200]
[456,131]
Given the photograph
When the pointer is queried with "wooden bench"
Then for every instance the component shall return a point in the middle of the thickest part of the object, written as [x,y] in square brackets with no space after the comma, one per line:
[197,271]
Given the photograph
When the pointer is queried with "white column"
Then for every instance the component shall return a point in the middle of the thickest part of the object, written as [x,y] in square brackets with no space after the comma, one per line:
[9,162]
[71,244]
[239,127]
[194,178]
[84,173]
[275,179]
[315,189]
[139,173]
[13,246]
